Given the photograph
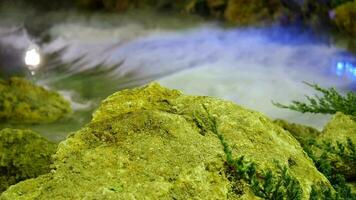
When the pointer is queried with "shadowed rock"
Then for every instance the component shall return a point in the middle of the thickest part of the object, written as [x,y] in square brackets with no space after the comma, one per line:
[23,154]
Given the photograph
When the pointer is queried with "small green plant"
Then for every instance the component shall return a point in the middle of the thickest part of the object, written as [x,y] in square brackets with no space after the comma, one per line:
[277,186]
[345,152]
[330,103]
[268,185]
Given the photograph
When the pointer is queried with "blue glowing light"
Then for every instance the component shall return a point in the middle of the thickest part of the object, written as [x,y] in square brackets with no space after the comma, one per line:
[346,69]
[340,65]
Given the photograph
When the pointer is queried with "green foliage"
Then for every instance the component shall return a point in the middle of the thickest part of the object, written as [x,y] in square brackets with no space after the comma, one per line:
[280,185]
[330,103]
[268,185]
[23,155]
[344,151]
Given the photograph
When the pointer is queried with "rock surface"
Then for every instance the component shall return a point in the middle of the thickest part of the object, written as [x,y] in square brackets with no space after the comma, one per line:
[300,132]
[148,143]
[339,129]
[23,155]
[23,102]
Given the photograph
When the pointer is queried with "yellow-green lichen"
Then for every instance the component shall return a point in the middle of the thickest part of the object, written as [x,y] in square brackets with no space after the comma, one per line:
[148,143]
[300,132]
[23,155]
[23,102]
[341,128]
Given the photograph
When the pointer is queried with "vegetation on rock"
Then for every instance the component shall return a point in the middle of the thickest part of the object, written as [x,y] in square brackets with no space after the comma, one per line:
[333,151]
[157,143]
[300,132]
[23,102]
[268,185]
[340,136]
[327,158]
[23,155]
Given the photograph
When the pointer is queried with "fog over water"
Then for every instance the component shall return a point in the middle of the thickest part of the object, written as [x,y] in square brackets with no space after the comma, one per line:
[250,66]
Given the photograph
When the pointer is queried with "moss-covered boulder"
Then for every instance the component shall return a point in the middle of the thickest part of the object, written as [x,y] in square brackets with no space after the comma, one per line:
[345,17]
[249,12]
[23,154]
[341,130]
[155,143]
[333,151]
[23,102]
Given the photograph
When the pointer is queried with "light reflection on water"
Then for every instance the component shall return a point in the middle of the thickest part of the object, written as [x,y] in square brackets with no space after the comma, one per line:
[346,69]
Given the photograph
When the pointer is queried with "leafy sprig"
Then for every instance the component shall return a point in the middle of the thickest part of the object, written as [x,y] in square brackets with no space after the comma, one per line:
[345,152]
[330,103]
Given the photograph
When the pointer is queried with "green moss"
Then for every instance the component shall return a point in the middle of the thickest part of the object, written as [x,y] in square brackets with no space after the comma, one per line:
[327,159]
[341,131]
[300,132]
[149,143]
[23,102]
[23,155]
[339,128]
[333,152]
[269,184]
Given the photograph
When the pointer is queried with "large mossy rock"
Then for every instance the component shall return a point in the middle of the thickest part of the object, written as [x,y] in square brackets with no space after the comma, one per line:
[23,155]
[149,143]
[23,102]
[339,130]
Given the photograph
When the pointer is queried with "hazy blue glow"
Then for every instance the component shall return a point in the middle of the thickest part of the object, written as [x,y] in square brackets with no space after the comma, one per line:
[346,69]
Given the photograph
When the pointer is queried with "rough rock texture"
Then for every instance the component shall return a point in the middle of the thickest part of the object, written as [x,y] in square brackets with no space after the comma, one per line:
[148,143]
[23,102]
[345,17]
[339,129]
[249,12]
[300,132]
[23,155]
